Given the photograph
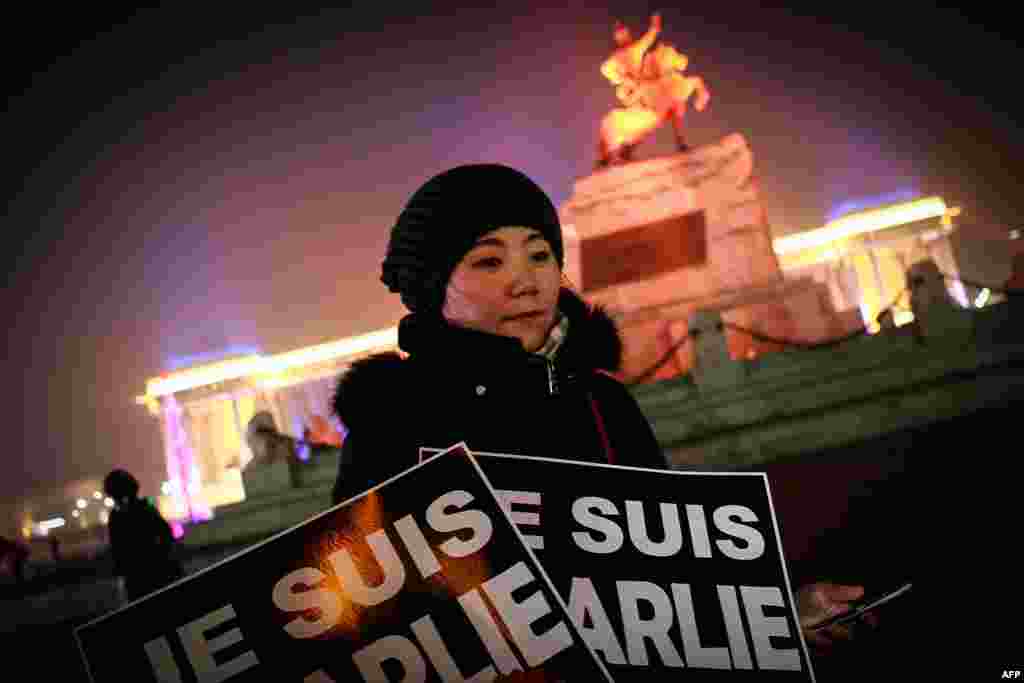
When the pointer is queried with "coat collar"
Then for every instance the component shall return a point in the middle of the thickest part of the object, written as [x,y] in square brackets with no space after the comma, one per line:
[445,356]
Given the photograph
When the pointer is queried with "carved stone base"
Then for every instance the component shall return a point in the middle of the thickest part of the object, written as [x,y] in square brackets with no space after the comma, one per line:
[689,224]
[266,478]
[653,241]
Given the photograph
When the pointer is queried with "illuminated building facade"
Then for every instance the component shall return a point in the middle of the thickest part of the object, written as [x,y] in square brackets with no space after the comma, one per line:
[204,412]
[862,257]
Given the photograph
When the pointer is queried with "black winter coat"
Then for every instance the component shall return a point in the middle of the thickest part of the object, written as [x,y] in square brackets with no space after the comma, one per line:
[143,547]
[484,389]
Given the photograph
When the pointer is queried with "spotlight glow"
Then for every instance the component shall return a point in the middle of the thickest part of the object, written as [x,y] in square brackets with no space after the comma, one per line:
[983,298]
[48,524]
[214,373]
[859,223]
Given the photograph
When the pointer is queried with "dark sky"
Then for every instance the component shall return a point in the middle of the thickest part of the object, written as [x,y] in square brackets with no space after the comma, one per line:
[182,182]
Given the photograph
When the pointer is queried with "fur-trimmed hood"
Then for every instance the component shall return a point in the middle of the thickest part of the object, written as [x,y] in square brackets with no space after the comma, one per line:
[439,353]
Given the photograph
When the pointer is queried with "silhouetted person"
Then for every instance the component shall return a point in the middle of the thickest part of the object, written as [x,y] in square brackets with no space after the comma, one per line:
[14,554]
[55,548]
[140,538]
[1016,281]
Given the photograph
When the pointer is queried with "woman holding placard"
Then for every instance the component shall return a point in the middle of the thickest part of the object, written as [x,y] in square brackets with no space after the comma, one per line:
[497,351]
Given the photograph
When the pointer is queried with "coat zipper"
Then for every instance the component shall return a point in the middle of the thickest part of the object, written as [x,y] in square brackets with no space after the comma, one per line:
[552,378]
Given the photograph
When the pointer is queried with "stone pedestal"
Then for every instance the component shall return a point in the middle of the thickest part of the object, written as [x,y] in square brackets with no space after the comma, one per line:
[278,496]
[938,319]
[267,478]
[653,241]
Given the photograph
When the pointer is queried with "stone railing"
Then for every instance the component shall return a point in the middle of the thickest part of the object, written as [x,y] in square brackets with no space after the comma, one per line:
[949,361]
[279,495]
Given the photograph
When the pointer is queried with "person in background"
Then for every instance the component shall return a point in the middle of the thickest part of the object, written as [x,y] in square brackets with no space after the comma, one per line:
[141,540]
[55,553]
[1016,280]
[13,555]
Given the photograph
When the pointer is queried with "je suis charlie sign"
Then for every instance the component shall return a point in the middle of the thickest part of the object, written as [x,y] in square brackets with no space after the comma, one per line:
[474,567]
[665,573]
[422,578]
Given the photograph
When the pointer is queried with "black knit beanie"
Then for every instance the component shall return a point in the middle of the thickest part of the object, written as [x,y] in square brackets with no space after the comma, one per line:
[447,215]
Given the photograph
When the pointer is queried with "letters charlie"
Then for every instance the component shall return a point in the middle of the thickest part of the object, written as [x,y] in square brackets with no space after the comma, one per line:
[661,570]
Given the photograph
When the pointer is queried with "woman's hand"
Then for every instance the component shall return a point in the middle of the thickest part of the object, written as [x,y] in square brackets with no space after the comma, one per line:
[817,602]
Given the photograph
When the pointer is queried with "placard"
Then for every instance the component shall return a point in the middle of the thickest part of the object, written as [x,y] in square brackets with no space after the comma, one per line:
[663,571]
[421,578]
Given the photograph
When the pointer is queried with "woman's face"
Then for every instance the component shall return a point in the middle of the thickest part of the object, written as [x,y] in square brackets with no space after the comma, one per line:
[506,284]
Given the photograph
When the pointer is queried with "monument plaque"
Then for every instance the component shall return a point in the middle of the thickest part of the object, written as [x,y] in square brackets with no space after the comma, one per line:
[643,251]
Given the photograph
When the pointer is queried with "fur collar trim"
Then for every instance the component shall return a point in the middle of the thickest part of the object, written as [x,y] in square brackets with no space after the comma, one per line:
[372,386]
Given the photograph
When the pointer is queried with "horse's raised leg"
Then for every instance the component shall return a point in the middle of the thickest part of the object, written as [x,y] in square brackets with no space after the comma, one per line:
[677,129]
[603,157]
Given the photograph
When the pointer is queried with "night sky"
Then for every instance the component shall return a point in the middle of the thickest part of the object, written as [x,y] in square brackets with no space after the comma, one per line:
[183,182]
